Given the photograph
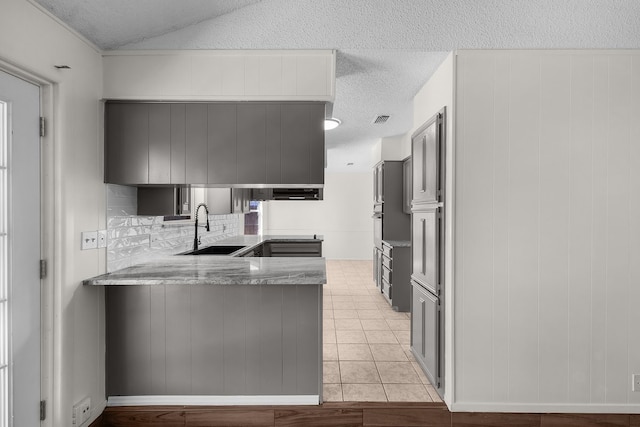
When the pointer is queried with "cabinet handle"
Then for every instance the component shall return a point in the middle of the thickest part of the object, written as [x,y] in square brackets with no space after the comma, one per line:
[423,260]
[424,164]
[423,350]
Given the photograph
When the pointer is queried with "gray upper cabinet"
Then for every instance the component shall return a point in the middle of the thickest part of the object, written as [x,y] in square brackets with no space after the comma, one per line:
[220,144]
[160,143]
[273,144]
[222,134]
[251,143]
[302,143]
[425,152]
[127,143]
[177,161]
[196,144]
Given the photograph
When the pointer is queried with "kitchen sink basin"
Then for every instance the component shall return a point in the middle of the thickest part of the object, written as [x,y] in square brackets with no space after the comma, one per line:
[214,250]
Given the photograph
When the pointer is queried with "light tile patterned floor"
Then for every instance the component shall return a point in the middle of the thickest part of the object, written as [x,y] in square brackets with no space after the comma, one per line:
[366,344]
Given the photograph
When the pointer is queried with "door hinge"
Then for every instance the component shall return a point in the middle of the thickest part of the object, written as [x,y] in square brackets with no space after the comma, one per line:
[43,268]
[42,126]
[43,410]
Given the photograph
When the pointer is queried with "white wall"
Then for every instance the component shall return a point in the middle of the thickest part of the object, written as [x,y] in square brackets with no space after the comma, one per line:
[343,217]
[547,231]
[438,93]
[391,148]
[74,194]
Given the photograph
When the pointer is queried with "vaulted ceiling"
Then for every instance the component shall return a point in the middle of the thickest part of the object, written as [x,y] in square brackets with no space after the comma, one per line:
[386,50]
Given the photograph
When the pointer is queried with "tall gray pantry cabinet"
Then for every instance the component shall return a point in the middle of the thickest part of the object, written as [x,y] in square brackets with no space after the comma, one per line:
[427,242]
[391,229]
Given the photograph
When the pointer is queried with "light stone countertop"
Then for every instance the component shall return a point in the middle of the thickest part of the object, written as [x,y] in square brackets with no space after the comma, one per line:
[223,269]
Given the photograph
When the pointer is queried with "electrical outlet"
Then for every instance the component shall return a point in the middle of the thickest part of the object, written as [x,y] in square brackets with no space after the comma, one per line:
[635,378]
[81,412]
[102,238]
[89,240]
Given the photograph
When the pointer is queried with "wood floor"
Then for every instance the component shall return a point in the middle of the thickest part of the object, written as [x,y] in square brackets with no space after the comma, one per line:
[350,279]
[347,414]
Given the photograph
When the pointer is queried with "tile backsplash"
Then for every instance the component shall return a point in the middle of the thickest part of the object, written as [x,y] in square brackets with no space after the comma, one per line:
[132,239]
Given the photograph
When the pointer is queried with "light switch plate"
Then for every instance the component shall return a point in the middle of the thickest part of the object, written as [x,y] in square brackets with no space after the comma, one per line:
[102,238]
[89,240]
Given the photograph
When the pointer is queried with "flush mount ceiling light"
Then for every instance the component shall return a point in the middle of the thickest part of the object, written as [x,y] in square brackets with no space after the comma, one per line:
[331,123]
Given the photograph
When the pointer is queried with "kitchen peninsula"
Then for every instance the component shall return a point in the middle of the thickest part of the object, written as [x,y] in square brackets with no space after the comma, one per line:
[211,329]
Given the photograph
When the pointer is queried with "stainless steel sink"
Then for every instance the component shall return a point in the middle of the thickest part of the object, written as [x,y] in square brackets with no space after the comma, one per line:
[214,250]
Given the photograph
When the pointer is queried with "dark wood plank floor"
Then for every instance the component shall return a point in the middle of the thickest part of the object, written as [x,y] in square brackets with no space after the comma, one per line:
[346,414]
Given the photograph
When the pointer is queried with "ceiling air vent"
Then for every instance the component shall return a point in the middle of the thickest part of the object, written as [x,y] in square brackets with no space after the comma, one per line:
[380,119]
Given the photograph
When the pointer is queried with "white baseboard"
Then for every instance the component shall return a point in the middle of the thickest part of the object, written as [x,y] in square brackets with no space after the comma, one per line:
[537,408]
[212,400]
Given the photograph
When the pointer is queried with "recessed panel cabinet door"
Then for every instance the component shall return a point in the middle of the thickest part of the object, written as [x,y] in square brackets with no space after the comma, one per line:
[222,132]
[251,143]
[426,248]
[127,143]
[425,327]
[425,152]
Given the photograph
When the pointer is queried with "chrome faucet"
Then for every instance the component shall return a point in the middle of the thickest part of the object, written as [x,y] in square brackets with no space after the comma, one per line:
[196,241]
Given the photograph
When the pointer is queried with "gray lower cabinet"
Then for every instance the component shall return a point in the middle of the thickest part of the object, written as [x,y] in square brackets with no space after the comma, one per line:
[213,340]
[219,143]
[293,249]
[425,332]
[395,272]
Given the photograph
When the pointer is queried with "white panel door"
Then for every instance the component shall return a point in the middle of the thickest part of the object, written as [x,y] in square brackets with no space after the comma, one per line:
[19,260]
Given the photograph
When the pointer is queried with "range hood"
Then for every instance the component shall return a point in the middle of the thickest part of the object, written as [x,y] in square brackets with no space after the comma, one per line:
[296,194]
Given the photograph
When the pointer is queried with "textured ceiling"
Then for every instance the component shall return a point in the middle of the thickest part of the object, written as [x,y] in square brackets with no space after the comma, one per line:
[386,49]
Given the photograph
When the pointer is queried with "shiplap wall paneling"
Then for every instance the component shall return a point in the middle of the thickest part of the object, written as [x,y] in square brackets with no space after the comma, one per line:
[547,228]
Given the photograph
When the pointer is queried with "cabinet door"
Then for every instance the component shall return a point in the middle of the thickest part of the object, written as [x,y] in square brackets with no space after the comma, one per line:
[251,144]
[159,143]
[178,144]
[407,180]
[426,248]
[425,331]
[222,136]
[316,144]
[273,130]
[196,144]
[295,154]
[425,152]
[302,143]
[127,143]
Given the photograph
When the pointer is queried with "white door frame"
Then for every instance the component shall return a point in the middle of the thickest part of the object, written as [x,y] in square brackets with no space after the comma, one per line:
[49,292]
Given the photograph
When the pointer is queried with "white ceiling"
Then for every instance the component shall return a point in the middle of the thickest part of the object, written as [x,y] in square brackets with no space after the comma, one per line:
[386,49]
